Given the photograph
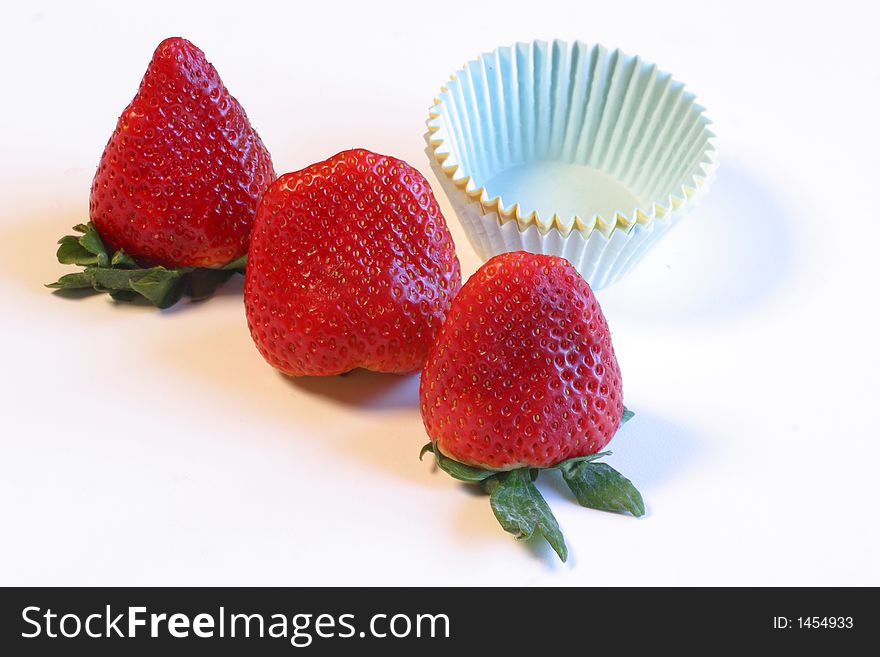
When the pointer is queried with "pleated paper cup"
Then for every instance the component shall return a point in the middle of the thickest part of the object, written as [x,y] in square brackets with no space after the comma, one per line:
[569,150]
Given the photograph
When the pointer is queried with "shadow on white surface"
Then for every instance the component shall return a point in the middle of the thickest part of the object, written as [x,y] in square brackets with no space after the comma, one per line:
[362,389]
[366,420]
[651,450]
[476,529]
[735,254]
[234,287]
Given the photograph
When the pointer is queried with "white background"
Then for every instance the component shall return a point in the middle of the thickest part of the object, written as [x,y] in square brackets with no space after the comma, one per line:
[145,447]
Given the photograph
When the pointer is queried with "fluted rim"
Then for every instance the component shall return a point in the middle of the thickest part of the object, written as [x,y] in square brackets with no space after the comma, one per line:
[704,165]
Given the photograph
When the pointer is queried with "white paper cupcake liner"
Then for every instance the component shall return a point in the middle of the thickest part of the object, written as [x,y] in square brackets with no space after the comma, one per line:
[569,132]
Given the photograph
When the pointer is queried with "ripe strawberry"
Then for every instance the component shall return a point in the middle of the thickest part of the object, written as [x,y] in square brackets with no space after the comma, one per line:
[350,265]
[523,377]
[523,373]
[180,178]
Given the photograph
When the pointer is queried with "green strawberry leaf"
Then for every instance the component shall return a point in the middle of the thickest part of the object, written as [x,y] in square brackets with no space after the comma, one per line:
[71,252]
[519,506]
[91,241]
[237,265]
[599,486]
[455,469]
[425,449]
[578,459]
[123,279]
[626,417]
[204,282]
[123,295]
[107,278]
[487,485]
[521,509]
[123,260]
[478,474]
[162,287]
[77,281]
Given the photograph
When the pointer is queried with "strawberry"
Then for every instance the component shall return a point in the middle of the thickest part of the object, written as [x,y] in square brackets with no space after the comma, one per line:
[523,373]
[523,377]
[179,180]
[350,265]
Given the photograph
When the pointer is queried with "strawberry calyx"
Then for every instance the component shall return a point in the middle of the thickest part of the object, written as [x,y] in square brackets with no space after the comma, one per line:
[124,279]
[519,506]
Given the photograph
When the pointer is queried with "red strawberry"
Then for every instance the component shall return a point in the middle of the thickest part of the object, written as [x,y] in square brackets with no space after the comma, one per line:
[180,178]
[523,376]
[350,265]
[523,373]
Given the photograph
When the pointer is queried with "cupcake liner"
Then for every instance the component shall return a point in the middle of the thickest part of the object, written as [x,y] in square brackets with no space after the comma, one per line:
[570,150]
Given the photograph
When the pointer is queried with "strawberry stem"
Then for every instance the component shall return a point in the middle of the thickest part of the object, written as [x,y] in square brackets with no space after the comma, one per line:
[519,506]
[124,280]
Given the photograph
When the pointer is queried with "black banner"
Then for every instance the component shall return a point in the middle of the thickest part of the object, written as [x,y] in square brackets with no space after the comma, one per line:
[246,621]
